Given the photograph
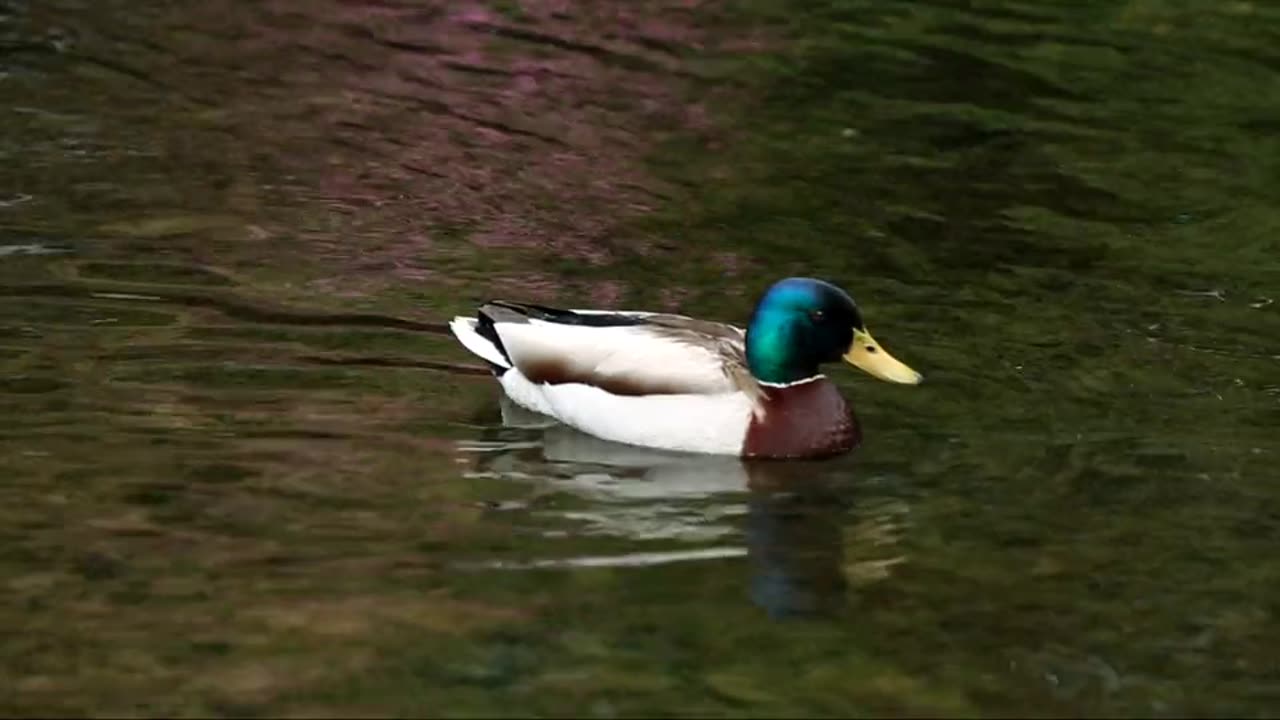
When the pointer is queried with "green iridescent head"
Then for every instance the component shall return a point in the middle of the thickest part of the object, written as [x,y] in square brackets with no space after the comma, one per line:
[801,323]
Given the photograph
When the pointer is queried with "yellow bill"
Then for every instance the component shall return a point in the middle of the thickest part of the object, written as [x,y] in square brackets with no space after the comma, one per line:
[866,353]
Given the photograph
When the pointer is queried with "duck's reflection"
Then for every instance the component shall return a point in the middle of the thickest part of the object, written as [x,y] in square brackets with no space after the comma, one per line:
[795,536]
[796,514]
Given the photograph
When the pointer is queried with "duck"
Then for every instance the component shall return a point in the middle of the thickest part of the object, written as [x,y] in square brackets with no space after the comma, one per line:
[677,383]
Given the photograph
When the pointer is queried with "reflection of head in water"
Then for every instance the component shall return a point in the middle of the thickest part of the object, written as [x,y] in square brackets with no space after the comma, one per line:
[794,533]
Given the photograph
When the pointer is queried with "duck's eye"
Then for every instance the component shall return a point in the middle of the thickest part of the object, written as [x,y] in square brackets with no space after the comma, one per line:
[817,315]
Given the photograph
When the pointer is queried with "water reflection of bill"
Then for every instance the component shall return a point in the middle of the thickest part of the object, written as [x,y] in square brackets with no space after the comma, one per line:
[795,517]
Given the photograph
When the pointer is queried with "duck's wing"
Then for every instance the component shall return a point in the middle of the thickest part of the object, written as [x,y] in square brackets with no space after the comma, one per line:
[624,353]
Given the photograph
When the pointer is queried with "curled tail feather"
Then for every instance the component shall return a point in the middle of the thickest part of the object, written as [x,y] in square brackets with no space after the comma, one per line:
[479,336]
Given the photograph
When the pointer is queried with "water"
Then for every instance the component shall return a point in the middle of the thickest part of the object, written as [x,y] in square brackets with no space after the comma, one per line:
[247,472]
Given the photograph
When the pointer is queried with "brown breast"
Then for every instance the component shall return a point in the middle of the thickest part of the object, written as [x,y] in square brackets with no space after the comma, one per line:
[802,421]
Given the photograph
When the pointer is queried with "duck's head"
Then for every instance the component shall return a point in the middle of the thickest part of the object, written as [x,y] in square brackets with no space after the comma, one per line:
[801,323]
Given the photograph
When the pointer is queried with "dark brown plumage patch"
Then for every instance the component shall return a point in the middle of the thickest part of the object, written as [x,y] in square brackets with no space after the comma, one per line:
[555,372]
[803,421]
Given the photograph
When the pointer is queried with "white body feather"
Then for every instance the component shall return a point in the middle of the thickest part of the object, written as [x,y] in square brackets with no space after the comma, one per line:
[634,354]
[714,424]
[711,418]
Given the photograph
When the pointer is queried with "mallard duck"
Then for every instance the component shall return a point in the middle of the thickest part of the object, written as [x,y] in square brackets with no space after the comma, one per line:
[678,383]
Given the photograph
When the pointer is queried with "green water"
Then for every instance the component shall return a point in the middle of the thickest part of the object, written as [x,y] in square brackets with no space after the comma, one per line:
[246,472]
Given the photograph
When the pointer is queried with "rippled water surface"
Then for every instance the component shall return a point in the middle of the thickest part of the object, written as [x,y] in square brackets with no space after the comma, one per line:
[246,470]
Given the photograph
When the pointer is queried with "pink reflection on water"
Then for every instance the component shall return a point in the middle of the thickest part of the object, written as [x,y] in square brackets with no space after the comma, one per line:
[525,129]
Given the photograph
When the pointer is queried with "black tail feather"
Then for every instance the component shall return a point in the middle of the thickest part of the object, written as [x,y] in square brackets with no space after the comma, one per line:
[486,330]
